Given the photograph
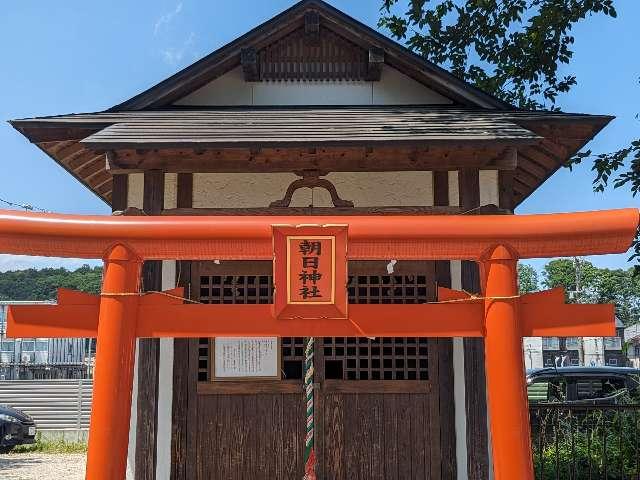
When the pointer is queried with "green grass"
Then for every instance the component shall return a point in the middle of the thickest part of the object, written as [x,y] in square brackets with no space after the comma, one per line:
[51,446]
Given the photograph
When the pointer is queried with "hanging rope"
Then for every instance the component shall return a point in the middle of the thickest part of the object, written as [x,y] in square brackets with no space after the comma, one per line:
[309,451]
[472,298]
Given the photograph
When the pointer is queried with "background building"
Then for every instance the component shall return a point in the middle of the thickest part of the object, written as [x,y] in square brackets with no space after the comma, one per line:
[632,339]
[42,358]
[573,351]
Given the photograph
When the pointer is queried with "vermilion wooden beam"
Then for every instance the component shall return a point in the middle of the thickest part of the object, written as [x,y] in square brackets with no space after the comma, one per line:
[371,237]
[74,316]
[542,314]
[497,242]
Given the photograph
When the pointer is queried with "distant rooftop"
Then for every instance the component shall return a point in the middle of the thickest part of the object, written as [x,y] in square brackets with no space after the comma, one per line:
[632,332]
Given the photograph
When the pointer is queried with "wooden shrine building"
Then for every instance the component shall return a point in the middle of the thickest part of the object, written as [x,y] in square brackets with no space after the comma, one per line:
[312,113]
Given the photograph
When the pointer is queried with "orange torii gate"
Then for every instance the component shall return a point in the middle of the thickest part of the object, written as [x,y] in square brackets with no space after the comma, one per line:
[121,313]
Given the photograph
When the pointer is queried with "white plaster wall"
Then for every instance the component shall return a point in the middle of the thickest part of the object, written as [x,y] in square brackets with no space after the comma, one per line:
[165,367]
[135,190]
[230,190]
[133,422]
[365,189]
[229,89]
[165,387]
[394,88]
[312,93]
[454,189]
[489,192]
[459,389]
[170,190]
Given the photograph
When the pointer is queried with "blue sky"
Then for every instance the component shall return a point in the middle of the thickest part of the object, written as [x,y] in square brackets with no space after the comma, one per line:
[77,56]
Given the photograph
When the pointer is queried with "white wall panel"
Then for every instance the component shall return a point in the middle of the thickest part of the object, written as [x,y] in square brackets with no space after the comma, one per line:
[394,88]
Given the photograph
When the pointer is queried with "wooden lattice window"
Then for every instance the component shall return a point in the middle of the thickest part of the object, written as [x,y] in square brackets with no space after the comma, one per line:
[345,358]
[246,289]
[390,358]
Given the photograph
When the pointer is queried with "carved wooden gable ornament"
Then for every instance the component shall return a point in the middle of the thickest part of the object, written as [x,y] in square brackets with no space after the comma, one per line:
[312,52]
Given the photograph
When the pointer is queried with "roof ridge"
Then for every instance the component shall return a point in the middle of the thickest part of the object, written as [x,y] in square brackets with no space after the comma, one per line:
[195,75]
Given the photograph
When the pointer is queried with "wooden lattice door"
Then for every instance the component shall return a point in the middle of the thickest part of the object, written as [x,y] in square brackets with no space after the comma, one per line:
[376,406]
[376,412]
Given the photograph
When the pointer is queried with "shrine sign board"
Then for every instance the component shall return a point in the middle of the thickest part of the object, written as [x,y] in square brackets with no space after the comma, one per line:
[249,358]
[310,271]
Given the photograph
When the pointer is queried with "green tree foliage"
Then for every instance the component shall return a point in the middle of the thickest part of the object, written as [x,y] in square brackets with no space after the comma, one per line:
[42,284]
[512,49]
[597,285]
[527,278]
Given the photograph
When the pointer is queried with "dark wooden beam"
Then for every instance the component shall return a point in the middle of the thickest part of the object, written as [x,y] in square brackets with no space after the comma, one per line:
[68,153]
[184,407]
[311,27]
[149,348]
[55,146]
[249,62]
[184,192]
[474,371]
[374,66]
[506,191]
[444,357]
[120,193]
[91,168]
[335,159]
[101,179]
[103,189]
[441,189]
[79,161]
[51,133]
[488,209]
[508,159]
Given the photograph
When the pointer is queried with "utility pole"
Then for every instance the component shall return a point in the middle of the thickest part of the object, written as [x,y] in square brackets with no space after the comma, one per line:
[578,294]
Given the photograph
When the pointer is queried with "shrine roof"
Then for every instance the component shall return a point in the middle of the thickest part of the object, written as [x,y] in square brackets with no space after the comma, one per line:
[260,127]
[545,140]
[150,120]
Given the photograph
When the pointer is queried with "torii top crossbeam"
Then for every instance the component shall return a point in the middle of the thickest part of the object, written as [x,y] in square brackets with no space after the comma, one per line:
[370,237]
[120,315]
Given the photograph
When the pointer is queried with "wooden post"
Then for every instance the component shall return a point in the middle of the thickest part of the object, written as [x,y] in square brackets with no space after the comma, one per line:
[113,382]
[507,394]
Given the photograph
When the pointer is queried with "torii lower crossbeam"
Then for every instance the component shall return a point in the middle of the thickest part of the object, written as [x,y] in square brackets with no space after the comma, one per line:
[120,314]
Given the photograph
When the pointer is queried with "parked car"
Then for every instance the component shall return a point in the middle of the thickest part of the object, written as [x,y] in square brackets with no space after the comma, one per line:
[583,385]
[16,428]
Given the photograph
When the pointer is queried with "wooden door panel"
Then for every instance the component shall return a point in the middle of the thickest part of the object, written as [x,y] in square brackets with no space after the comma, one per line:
[250,436]
[378,436]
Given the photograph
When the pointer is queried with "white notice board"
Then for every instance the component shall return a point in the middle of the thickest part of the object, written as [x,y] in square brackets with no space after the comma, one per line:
[236,358]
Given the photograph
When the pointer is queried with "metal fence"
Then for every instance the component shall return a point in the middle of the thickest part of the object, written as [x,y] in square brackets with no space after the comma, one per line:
[586,441]
[53,404]
[19,371]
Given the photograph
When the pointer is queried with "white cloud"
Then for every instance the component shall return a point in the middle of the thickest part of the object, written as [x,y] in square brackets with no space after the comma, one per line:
[174,55]
[166,18]
[24,262]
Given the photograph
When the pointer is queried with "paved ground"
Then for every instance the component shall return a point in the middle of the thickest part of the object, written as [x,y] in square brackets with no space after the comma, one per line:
[41,466]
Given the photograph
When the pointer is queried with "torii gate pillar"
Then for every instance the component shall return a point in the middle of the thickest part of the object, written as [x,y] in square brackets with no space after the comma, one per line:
[115,356]
[506,384]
